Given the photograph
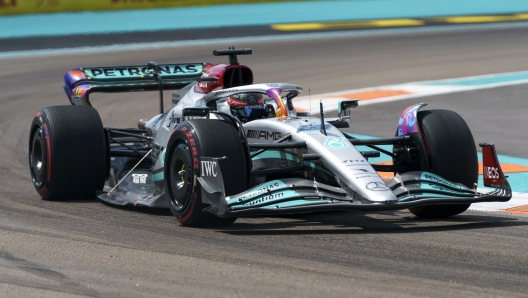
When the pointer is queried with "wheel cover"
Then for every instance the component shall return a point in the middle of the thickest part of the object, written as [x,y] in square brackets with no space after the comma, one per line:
[181,178]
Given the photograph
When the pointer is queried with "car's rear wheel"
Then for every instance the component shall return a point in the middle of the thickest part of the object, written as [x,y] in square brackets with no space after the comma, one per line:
[67,152]
[191,140]
[451,154]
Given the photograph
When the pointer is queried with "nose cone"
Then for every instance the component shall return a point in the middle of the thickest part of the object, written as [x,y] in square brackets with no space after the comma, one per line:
[378,191]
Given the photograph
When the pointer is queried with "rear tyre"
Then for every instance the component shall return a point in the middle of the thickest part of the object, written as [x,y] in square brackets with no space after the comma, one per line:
[190,140]
[452,155]
[67,152]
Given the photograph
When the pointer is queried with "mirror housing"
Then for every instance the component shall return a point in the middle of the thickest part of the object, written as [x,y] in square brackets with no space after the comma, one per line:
[195,111]
[344,105]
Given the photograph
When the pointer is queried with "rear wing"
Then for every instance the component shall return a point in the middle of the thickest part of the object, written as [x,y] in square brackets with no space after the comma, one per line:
[79,83]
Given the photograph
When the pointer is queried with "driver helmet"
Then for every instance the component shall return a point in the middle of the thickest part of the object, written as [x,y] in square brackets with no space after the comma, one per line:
[250,106]
[245,99]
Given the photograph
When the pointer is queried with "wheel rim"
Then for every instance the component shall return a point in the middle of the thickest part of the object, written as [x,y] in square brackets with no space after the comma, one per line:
[181,183]
[181,174]
[37,158]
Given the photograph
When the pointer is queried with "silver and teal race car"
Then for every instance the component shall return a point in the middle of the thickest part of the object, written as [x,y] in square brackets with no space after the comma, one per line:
[230,148]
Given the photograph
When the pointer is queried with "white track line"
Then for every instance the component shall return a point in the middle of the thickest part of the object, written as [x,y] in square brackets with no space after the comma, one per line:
[414,90]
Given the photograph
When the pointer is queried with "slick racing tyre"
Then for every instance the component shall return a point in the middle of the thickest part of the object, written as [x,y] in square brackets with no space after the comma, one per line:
[67,152]
[452,155]
[190,140]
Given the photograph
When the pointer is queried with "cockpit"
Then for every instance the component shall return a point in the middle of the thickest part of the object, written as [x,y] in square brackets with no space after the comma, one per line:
[248,106]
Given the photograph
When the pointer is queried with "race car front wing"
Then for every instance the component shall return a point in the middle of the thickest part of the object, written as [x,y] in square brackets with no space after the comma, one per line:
[295,195]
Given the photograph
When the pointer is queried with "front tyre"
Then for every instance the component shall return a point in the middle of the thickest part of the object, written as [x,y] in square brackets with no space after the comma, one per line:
[189,141]
[452,155]
[67,152]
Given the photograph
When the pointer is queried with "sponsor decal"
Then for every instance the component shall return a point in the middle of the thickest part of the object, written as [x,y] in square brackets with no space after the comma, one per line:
[252,100]
[363,172]
[335,143]
[258,191]
[308,127]
[492,173]
[173,119]
[263,134]
[249,98]
[262,195]
[225,91]
[282,198]
[441,181]
[204,85]
[139,178]
[367,176]
[354,165]
[264,188]
[377,186]
[192,144]
[272,85]
[354,162]
[358,161]
[265,198]
[257,107]
[209,168]
[134,71]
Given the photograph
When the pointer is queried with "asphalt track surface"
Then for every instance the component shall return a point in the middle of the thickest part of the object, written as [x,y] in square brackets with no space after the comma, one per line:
[86,248]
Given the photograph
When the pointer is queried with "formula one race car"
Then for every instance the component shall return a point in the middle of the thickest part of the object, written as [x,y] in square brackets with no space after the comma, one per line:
[229,148]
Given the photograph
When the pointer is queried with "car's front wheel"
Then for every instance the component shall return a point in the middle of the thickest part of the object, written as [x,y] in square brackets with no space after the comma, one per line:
[451,154]
[191,140]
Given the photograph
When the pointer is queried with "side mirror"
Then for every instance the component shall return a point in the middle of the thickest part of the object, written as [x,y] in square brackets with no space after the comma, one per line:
[195,111]
[344,105]
[343,112]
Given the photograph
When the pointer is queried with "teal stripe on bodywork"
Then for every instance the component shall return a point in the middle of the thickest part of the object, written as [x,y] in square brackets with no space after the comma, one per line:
[296,203]
[158,176]
[422,196]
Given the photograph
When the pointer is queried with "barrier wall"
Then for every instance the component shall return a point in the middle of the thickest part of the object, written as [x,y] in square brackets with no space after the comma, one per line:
[12,7]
